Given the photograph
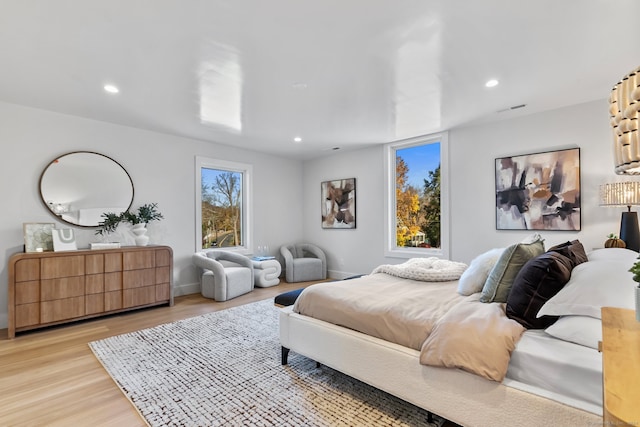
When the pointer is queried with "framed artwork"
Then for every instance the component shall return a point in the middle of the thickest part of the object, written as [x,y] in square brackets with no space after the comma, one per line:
[63,239]
[539,191]
[37,236]
[338,203]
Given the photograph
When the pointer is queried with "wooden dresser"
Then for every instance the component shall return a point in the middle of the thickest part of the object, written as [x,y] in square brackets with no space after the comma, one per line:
[49,288]
[620,367]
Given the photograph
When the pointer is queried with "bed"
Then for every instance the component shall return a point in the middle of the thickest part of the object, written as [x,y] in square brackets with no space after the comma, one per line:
[553,373]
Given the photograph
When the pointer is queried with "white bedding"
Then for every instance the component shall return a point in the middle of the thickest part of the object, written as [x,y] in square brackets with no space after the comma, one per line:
[554,368]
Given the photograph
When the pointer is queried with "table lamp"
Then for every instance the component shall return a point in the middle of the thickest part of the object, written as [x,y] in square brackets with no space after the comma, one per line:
[624,194]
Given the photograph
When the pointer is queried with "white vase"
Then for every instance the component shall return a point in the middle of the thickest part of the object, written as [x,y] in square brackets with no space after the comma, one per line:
[140,231]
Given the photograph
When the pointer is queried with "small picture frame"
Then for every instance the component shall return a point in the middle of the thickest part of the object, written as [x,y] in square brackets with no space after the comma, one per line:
[64,239]
[38,236]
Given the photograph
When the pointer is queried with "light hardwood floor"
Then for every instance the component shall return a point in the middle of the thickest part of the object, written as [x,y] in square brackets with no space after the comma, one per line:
[50,377]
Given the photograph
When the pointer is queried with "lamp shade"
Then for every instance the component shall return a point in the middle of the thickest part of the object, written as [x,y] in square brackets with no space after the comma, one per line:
[624,111]
[620,194]
[624,194]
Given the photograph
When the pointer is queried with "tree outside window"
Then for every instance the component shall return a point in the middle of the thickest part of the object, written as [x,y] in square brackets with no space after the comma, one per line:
[416,197]
[222,204]
[221,207]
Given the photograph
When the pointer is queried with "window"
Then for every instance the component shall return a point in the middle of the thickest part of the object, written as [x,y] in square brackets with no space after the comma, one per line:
[417,197]
[223,205]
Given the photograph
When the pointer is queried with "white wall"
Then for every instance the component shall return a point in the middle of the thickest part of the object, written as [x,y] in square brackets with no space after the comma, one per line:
[473,150]
[349,251]
[162,169]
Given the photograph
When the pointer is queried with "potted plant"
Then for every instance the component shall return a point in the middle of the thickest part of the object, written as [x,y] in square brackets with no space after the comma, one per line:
[109,224]
[635,269]
[138,219]
[146,214]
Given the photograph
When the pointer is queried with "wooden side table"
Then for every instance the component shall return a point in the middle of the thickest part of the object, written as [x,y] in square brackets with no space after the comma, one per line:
[620,367]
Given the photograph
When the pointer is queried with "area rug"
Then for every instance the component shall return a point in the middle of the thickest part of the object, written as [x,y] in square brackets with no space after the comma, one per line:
[223,369]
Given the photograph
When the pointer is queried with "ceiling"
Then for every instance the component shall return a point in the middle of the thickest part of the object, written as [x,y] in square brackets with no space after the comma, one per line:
[336,73]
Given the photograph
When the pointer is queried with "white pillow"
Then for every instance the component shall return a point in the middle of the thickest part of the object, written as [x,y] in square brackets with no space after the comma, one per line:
[473,278]
[593,284]
[583,330]
[615,254]
[535,237]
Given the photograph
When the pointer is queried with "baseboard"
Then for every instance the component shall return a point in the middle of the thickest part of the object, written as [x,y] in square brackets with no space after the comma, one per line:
[186,289]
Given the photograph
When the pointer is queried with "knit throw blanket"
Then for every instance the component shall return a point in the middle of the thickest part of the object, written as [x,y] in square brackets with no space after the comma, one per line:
[430,269]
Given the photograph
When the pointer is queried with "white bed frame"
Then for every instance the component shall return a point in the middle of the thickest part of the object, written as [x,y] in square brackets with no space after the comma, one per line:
[456,395]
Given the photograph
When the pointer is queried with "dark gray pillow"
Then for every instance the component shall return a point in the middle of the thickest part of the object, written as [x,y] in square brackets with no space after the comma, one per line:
[538,281]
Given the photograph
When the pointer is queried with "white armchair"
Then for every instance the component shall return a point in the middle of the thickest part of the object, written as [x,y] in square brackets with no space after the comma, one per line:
[225,275]
[304,262]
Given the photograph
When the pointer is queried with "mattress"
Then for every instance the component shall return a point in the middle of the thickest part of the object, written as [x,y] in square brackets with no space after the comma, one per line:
[559,370]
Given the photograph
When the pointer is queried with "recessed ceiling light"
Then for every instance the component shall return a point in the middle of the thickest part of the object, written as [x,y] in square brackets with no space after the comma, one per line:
[111,89]
[492,83]
[297,139]
[299,85]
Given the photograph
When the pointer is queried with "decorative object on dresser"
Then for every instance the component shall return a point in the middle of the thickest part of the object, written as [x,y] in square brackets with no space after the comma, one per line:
[51,288]
[138,220]
[620,367]
[539,191]
[64,239]
[624,194]
[38,236]
[624,112]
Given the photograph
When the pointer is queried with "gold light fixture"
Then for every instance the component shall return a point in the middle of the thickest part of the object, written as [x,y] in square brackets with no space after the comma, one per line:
[624,194]
[624,108]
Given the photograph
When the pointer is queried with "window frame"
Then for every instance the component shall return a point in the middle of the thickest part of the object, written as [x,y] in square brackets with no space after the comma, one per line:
[246,204]
[391,249]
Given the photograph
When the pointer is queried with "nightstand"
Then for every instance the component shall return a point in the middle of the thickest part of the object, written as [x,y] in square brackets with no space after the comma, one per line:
[620,367]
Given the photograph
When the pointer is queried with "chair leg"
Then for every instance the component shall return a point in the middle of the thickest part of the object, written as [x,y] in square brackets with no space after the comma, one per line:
[284,355]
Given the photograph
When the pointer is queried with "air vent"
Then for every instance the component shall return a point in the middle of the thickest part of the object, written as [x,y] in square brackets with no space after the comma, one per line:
[515,107]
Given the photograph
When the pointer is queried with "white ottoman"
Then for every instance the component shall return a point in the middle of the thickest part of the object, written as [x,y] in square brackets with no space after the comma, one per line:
[266,273]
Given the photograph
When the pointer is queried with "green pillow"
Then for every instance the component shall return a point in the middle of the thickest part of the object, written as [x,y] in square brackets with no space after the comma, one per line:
[498,284]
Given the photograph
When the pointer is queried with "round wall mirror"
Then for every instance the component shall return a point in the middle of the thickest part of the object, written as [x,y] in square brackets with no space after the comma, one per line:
[79,187]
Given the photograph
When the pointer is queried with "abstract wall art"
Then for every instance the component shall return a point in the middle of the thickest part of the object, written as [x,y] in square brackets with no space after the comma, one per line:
[539,191]
[339,203]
